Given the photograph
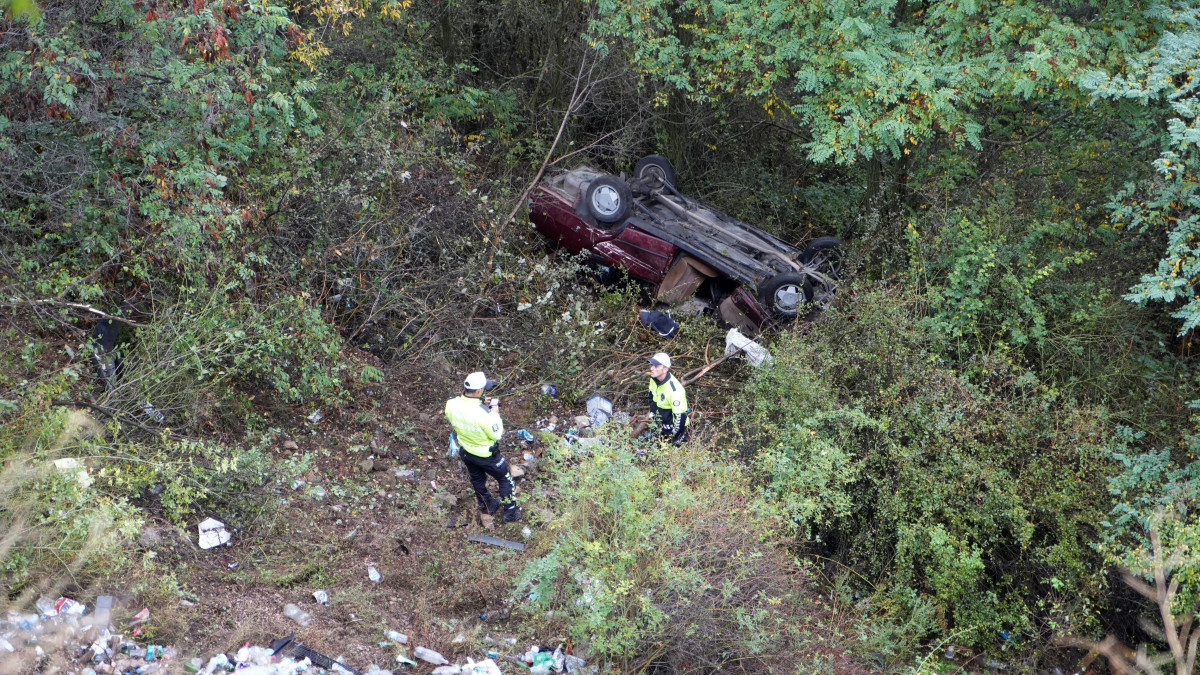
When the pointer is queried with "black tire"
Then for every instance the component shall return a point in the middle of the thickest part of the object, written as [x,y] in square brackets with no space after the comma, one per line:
[827,253]
[786,294]
[608,199]
[655,166]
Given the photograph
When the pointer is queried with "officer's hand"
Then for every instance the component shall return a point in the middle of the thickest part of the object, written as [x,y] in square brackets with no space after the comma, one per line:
[493,403]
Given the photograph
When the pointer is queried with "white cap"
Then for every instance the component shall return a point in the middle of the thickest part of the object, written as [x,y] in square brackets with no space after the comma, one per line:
[660,359]
[477,380]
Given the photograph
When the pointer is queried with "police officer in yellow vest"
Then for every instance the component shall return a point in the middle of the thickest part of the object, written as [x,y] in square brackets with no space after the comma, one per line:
[478,428]
[668,401]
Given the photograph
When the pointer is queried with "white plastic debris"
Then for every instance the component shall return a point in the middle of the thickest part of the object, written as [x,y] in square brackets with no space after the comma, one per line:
[317,416]
[430,656]
[69,464]
[213,533]
[484,667]
[599,409]
[755,353]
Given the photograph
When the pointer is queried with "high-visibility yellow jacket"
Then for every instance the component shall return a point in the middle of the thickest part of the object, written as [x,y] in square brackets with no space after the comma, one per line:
[477,426]
[669,395]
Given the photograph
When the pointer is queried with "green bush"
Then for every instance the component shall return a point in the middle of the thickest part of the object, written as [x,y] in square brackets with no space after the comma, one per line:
[663,561]
[979,493]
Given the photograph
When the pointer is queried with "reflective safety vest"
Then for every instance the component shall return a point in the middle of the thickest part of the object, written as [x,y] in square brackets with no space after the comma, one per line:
[669,395]
[477,426]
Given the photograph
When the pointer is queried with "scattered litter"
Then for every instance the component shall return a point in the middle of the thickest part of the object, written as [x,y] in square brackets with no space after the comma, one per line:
[141,617]
[69,464]
[373,574]
[153,413]
[296,614]
[297,484]
[549,390]
[401,658]
[755,353]
[322,597]
[317,492]
[526,532]
[292,649]
[396,636]
[453,448]
[317,416]
[103,616]
[525,435]
[213,533]
[599,410]
[622,418]
[447,670]
[430,656]
[659,322]
[494,541]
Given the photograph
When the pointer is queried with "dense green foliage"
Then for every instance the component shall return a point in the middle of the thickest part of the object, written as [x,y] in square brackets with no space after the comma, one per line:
[993,416]
[981,491]
[663,561]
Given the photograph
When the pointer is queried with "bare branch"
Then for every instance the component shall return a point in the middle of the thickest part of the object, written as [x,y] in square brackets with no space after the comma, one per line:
[17,302]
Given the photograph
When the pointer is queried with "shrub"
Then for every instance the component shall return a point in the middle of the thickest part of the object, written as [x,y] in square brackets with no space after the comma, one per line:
[662,563]
[980,493]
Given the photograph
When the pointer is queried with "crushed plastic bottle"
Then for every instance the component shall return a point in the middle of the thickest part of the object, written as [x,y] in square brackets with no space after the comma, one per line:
[430,656]
[296,614]
[396,636]
[373,574]
[322,597]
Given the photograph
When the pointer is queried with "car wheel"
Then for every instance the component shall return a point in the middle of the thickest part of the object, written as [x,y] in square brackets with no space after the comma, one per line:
[786,294]
[608,199]
[825,253]
[655,166]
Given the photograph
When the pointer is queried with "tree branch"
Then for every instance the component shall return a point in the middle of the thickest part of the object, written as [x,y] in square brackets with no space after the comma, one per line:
[17,302]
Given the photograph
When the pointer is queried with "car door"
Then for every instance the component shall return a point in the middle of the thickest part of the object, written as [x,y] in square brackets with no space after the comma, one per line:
[643,256]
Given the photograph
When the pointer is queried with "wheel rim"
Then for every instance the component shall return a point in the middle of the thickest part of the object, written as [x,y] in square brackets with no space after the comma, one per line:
[654,171]
[788,298]
[828,262]
[606,201]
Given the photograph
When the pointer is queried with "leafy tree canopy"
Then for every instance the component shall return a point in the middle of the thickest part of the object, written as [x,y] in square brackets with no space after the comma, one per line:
[861,78]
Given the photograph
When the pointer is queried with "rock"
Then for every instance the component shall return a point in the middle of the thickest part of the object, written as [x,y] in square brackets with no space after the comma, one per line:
[516,471]
[488,522]
[290,445]
[449,500]
[425,417]
[150,537]
[365,465]
[582,421]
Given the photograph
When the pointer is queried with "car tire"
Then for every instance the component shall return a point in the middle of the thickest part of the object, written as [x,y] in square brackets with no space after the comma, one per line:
[827,252]
[655,166]
[786,294]
[608,199]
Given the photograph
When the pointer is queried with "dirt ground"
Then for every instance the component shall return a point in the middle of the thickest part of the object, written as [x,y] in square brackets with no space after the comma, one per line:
[445,592]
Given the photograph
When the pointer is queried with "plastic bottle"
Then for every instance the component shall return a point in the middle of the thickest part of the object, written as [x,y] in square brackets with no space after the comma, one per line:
[373,574]
[430,656]
[296,614]
[396,636]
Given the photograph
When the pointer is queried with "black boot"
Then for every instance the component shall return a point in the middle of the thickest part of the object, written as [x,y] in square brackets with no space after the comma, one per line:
[512,513]
[487,503]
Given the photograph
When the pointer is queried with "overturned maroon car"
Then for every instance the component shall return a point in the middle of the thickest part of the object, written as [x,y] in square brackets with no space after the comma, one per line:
[645,227]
